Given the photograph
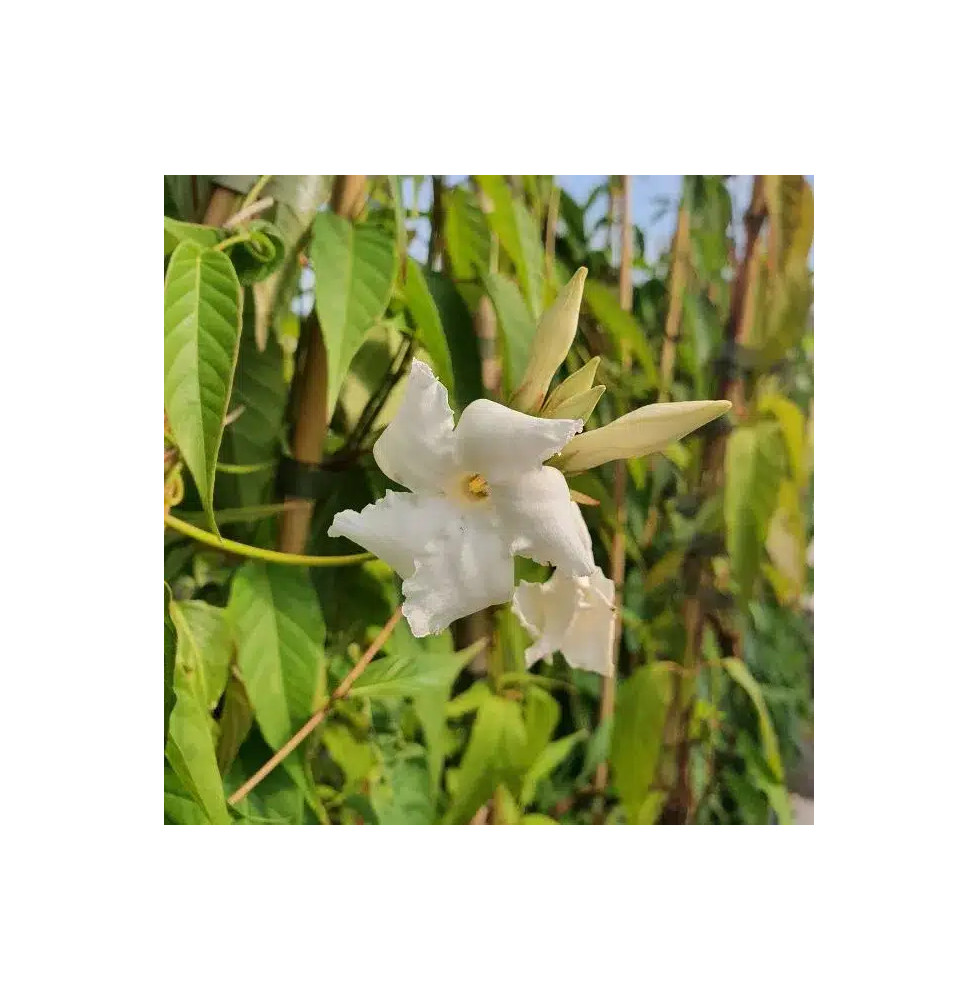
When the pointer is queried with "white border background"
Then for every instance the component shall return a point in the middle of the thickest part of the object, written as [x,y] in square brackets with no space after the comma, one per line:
[100,897]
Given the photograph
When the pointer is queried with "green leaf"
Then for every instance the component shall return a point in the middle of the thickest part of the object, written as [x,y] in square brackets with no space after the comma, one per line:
[519,236]
[621,326]
[401,676]
[169,663]
[279,634]
[463,344]
[466,235]
[651,808]
[203,648]
[356,758]
[792,423]
[261,390]
[259,256]
[636,738]
[516,327]
[470,700]
[355,268]
[179,806]
[190,751]
[739,673]
[201,330]
[176,232]
[235,724]
[754,468]
[404,798]
[598,748]
[552,756]
[538,819]
[496,754]
[428,324]
[541,714]
[277,799]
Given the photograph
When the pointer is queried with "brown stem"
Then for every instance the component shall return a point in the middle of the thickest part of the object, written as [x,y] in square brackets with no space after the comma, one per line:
[341,692]
[550,240]
[436,241]
[618,545]
[312,416]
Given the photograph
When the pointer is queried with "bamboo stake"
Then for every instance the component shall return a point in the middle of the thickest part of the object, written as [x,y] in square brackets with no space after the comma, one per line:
[312,419]
[618,545]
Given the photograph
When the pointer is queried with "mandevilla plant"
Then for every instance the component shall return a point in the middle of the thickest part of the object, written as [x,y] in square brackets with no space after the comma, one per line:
[419,567]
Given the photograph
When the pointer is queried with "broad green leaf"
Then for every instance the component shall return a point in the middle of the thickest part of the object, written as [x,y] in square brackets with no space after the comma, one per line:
[355,267]
[541,713]
[404,798]
[176,232]
[261,391]
[538,819]
[428,324]
[235,723]
[201,330]
[636,738]
[179,806]
[355,757]
[463,344]
[279,635]
[519,236]
[466,235]
[470,700]
[739,673]
[401,676]
[190,751]
[622,326]
[169,663]
[277,799]
[792,423]
[495,755]
[203,648]
[754,468]
[516,327]
[550,758]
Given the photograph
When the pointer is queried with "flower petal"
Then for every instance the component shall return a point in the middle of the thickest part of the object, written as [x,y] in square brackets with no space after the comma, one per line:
[546,611]
[396,528]
[417,449]
[467,568]
[501,444]
[545,522]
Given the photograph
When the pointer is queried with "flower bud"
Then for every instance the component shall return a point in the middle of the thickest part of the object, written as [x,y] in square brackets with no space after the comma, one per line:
[554,336]
[641,432]
[573,385]
[578,407]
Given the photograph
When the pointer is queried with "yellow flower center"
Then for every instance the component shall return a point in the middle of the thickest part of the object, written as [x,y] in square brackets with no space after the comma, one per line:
[476,488]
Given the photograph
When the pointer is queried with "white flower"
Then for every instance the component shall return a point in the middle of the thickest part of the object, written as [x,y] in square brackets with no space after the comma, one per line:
[479,494]
[574,615]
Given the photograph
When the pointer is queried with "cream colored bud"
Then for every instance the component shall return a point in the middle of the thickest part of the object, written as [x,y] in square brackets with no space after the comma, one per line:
[578,407]
[641,432]
[573,385]
[555,334]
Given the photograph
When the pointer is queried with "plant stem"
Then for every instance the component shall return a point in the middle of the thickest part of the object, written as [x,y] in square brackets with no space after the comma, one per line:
[677,286]
[341,692]
[256,190]
[618,544]
[231,240]
[267,555]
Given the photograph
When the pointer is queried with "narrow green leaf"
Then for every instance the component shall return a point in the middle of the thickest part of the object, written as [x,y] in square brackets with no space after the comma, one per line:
[636,738]
[754,469]
[516,327]
[201,330]
[739,673]
[541,714]
[179,806]
[203,648]
[175,232]
[355,268]
[466,235]
[428,325]
[401,676]
[496,754]
[235,723]
[279,635]
[519,236]
[463,344]
[622,326]
[551,757]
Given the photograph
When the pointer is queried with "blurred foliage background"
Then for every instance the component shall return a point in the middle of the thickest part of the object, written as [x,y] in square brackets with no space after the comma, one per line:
[326,288]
